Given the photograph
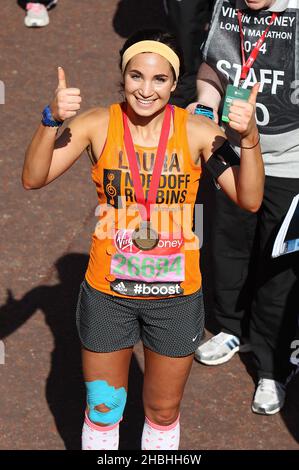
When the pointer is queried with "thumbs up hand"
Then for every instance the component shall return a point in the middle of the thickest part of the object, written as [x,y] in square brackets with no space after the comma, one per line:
[242,114]
[67,100]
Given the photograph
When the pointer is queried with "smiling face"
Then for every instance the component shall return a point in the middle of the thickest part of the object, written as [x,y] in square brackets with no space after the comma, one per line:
[259,4]
[148,83]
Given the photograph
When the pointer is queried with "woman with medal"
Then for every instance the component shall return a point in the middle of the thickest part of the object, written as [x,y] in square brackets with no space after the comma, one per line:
[142,281]
[256,302]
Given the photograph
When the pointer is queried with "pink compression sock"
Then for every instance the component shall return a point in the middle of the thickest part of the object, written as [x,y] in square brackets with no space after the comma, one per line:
[96,437]
[155,437]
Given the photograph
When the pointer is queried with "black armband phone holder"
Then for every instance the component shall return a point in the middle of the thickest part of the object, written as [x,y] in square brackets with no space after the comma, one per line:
[223,158]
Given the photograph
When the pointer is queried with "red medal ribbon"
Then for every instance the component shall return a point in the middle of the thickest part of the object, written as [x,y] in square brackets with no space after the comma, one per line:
[152,194]
[247,64]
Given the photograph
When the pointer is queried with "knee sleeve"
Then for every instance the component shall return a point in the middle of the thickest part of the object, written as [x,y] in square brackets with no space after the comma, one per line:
[98,393]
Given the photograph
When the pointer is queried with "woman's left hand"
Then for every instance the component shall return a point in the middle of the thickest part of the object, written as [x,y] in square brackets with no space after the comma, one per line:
[242,114]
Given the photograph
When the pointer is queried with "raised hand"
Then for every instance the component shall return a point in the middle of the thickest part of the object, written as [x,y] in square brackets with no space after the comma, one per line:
[67,100]
[242,114]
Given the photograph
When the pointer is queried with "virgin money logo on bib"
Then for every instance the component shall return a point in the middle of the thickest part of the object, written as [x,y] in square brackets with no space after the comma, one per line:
[168,243]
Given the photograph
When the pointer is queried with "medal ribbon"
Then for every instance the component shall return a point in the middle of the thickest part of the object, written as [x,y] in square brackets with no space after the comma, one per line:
[247,64]
[160,156]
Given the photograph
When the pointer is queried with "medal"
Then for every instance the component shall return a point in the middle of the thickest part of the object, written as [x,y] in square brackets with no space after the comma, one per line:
[145,237]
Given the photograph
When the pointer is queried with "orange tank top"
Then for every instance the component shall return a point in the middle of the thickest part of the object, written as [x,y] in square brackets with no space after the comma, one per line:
[116,266]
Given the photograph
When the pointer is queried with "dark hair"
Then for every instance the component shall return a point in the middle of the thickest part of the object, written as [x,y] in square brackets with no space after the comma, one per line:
[154,35]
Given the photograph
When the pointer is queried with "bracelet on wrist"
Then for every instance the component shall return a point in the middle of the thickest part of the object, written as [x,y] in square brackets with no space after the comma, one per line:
[48,120]
[248,148]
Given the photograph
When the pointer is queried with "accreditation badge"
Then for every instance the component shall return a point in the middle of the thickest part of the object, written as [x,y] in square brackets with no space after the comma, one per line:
[233,93]
[145,237]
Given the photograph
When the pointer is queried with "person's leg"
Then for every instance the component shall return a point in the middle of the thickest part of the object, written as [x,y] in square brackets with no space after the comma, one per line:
[37,12]
[275,310]
[46,3]
[164,382]
[232,245]
[106,380]
[108,328]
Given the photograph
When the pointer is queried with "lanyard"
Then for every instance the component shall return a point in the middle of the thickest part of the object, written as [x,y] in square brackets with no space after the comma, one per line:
[247,64]
[152,193]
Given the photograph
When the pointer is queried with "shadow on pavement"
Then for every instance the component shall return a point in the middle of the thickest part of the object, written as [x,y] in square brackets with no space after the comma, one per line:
[133,15]
[65,391]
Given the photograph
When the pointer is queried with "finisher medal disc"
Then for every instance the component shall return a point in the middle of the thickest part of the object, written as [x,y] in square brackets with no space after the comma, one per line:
[145,237]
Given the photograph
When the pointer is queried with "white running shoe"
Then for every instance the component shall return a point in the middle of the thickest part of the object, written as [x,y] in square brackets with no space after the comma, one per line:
[269,397]
[37,15]
[220,349]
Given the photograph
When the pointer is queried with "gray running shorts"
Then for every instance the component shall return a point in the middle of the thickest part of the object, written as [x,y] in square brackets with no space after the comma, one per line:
[171,327]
